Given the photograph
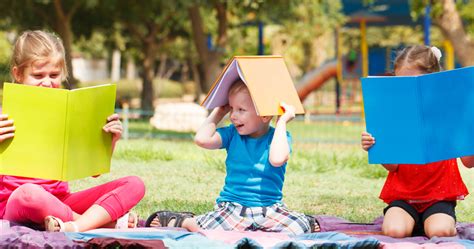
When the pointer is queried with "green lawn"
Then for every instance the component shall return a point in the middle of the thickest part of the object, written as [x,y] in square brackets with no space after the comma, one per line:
[327,173]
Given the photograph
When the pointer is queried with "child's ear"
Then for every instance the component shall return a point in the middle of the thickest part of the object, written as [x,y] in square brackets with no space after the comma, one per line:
[17,74]
[267,119]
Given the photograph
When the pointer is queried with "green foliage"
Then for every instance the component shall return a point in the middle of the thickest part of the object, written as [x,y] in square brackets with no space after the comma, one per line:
[5,54]
[464,8]
[307,22]
[92,47]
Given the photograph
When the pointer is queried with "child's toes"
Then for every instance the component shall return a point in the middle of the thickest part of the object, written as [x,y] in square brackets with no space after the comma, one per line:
[132,220]
[155,222]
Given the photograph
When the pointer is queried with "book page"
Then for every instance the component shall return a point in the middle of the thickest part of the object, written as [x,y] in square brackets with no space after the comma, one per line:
[393,117]
[39,116]
[269,84]
[218,96]
[88,148]
[448,101]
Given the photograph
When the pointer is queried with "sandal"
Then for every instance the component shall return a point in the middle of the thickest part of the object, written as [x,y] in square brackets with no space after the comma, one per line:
[313,223]
[51,221]
[122,222]
[165,217]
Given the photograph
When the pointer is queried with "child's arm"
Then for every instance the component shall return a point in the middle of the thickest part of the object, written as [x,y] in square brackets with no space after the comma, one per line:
[279,148]
[368,141]
[468,161]
[207,137]
[6,128]
[113,126]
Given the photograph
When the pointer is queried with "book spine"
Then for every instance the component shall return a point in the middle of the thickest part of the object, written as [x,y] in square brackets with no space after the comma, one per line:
[423,135]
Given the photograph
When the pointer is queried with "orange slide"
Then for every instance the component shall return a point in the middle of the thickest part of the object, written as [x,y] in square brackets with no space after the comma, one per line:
[313,80]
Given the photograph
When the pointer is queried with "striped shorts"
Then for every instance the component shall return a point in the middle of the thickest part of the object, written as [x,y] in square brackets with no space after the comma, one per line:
[274,218]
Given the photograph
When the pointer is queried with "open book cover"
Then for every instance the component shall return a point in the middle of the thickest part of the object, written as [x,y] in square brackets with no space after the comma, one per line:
[58,132]
[267,79]
[420,119]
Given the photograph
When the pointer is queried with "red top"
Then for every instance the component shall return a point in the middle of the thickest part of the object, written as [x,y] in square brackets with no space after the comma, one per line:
[424,183]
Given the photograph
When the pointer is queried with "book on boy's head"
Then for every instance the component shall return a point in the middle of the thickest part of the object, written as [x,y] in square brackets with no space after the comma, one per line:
[267,79]
[420,119]
[58,132]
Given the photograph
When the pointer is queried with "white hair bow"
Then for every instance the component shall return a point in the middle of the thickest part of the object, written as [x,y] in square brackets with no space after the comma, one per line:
[436,52]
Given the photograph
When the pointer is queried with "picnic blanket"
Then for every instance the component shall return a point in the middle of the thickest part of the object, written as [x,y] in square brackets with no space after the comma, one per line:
[335,233]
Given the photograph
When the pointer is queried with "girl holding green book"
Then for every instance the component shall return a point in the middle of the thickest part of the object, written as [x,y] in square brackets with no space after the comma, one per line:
[39,60]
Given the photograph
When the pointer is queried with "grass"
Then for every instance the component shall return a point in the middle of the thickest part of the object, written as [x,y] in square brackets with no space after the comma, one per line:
[327,174]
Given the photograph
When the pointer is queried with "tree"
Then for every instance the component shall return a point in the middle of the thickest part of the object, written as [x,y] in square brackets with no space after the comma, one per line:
[48,14]
[209,58]
[150,25]
[307,22]
[447,17]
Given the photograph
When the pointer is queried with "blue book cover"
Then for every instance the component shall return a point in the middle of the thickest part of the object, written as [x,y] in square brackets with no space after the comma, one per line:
[420,119]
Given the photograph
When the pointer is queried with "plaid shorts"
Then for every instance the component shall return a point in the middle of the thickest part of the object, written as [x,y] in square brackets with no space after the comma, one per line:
[275,218]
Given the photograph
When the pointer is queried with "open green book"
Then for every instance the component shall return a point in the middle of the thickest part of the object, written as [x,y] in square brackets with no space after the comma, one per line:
[58,132]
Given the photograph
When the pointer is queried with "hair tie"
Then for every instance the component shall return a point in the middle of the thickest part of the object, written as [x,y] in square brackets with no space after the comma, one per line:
[436,52]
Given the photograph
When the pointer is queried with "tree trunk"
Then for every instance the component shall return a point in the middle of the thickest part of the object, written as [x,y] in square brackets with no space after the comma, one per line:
[307,60]
[452,27]
[209,60]
[196,79]
[63,28]
[147,94]
[162,67]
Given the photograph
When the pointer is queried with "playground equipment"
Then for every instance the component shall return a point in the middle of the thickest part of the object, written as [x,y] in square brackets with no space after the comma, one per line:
[313,80]
[376,13]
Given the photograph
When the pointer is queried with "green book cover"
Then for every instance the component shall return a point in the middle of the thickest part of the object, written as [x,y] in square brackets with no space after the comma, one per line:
[58,132]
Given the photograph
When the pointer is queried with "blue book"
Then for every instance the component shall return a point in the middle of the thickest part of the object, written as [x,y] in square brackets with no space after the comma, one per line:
[420,119]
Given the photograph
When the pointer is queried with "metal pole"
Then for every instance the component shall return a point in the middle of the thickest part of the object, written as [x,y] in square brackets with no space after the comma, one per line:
[427,25]
[261,48]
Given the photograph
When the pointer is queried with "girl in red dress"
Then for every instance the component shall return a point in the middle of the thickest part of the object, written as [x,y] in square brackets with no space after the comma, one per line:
[421,198]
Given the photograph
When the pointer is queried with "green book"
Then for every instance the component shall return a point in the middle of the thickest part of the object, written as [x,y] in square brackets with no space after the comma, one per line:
[59,133]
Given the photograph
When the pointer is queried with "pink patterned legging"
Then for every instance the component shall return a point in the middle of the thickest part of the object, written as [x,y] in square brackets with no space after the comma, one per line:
[30,203]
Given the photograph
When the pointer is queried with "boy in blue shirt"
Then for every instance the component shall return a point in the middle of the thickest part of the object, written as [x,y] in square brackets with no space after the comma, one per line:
[251,198]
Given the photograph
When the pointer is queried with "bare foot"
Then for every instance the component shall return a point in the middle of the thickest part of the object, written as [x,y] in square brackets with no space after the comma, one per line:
[128,220]
[156,223]
[54,224]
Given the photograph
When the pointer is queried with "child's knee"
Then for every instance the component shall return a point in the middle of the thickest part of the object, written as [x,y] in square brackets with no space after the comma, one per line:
[439,230]
[396,231]
[135,183]
[28,194]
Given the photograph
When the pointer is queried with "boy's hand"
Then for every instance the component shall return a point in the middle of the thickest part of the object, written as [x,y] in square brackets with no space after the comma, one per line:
[6,128]
[289,112]
[367,141]
[114,126]
[221,111]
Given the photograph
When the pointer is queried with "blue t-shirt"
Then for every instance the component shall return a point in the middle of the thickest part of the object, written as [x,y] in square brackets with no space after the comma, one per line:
[251,180]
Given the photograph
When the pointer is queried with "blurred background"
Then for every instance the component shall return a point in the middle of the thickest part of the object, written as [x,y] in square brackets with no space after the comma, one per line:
[165,55]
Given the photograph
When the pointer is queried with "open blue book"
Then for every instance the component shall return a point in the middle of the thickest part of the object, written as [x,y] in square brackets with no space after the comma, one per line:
[420,119]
